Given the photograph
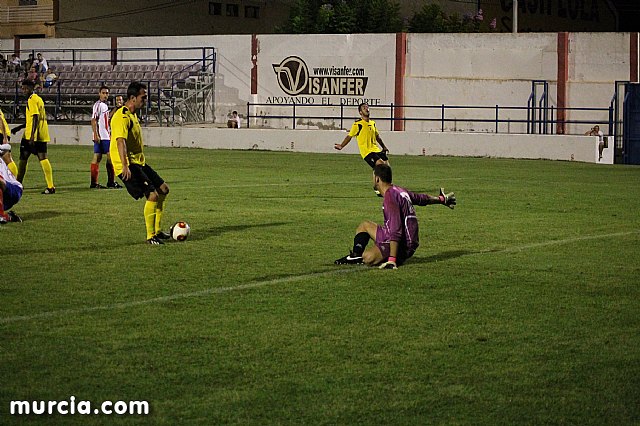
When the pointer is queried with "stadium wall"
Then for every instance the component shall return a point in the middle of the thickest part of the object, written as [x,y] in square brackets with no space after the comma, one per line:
[454,69]
[477,69]
[550,147]
[597,62]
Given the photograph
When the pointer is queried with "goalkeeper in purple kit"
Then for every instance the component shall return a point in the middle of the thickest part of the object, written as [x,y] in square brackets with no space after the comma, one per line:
[397,239]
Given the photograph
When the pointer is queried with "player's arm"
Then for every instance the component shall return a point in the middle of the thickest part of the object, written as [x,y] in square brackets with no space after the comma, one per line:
[6,131]
[393,249]
[382,145]
[94,127]
[122,152]
[391,261]
[394,226]
[18,128]
[35,119]
[446,199]
[344,143]
[355,131]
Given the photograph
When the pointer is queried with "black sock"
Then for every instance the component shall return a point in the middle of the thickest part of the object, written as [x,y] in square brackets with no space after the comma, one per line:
[360,243]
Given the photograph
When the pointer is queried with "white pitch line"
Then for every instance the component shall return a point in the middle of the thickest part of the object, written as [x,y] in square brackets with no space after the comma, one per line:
[205,292]
[257,185]
[565,241]
[257,284]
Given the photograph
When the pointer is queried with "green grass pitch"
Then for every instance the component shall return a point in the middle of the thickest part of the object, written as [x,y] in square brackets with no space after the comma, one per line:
[520,306]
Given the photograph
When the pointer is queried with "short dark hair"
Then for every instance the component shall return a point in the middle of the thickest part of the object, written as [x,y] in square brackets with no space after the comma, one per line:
[134,89]
[28,82]
[383,171]
[102,87]
[360,106]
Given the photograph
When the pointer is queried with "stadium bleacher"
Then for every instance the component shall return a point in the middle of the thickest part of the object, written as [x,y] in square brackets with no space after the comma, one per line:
[77,85]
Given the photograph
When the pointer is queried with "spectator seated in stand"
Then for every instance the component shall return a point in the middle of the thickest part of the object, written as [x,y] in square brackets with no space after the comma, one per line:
[15,64]
[41,64]
[28,63]
[48,79]
[32,74]
[234,121]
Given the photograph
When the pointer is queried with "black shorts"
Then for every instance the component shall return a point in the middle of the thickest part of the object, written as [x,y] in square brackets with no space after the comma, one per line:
[26,149]
[143,181]
[373,157]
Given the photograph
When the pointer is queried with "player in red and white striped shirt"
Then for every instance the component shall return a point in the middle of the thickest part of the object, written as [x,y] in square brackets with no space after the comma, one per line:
[101,138]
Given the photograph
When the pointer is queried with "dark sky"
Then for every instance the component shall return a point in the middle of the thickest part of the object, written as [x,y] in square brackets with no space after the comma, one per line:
[628,14]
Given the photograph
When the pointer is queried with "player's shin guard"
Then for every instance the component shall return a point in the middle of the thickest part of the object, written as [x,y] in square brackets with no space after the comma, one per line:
[48,172]
[111,176]
[159,211]
[150,218]
[13,168]
[95,171]
[360,243]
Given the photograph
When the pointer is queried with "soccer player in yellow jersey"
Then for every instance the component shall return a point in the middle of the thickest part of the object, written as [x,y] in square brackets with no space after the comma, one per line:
[35,138]
[5,147]
[130,165]
[368,139]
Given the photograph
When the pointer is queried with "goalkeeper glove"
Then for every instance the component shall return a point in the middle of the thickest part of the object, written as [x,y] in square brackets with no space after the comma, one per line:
[389,264]
[449,199]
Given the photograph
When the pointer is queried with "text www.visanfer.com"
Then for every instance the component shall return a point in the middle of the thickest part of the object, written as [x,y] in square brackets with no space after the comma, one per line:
[73,407]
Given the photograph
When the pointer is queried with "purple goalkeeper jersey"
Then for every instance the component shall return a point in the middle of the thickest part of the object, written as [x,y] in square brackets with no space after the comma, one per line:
[400,221]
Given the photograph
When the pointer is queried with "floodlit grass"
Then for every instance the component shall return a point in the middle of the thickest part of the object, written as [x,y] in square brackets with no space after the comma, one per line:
[521,305]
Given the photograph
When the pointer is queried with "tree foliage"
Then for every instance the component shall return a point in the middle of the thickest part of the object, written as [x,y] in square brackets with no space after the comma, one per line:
[343,17]
[375,16]
[432,19]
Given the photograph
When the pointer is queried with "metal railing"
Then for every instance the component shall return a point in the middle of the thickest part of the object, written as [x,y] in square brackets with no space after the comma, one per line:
[539,119]
[59,101]
[205,56]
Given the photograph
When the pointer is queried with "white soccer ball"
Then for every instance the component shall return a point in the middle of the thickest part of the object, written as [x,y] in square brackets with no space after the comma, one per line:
[180,231]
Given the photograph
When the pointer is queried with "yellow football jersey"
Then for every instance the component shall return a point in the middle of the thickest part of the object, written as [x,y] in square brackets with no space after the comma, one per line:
[365,133]
[125,125]
[5,130]
[35,106]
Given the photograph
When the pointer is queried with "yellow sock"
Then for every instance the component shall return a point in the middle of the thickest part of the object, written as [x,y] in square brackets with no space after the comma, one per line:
[48,172]
[159,211]
[13,168]
[150,217]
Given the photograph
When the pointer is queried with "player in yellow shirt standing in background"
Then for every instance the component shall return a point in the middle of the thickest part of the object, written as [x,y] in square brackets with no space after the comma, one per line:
[368,139]
[130,165]
[36,136]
